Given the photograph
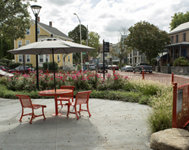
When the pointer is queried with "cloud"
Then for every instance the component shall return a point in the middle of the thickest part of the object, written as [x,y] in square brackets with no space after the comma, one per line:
[106,17]
[60,2]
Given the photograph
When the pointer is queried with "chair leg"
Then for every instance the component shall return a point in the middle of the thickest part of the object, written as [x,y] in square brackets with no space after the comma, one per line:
[68,111]
[32,116]
[79,109]
[88,110]
[61,104]
[43,113]
[76,113]
[21,114]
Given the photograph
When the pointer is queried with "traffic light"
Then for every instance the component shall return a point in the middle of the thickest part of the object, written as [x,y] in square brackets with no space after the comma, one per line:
[106,46]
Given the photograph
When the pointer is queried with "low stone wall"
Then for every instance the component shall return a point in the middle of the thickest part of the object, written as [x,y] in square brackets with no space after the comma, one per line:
[165,69]
[173,69]
[180,70]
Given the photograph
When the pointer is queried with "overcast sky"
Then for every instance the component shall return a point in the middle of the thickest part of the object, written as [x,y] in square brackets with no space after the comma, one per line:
[106,17]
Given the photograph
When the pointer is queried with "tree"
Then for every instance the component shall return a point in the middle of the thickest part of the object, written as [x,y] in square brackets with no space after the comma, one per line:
[95,43]
[122,52]
[75,35]
[5,45]
[14,19]
[147,39]
[178,19]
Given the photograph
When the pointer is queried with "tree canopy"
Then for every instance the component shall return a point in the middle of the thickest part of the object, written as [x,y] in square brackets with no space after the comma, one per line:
[75,35]
[122,52]
[178,19]
[14,19]
[147,39]
[95,43]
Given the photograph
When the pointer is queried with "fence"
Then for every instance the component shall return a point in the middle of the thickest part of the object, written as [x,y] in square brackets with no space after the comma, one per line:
[180,113]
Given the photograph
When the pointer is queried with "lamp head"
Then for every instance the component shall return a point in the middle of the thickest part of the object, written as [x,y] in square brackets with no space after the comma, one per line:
[36,9]
[75,14]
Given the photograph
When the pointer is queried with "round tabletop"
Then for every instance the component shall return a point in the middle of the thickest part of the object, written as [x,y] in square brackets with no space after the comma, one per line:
[58,92]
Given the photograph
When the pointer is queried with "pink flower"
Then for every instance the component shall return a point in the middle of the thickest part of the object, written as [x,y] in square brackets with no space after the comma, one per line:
[115,78]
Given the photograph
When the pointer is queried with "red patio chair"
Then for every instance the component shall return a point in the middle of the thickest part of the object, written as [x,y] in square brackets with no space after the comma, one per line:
[81,98]
[26,102]
[66,97]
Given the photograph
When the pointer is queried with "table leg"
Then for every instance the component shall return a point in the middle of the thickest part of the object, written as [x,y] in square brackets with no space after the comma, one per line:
[56,107]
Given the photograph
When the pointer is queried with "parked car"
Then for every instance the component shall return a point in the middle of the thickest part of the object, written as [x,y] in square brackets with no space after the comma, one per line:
[127,68]
[142,67]
[109,66]
[114,67]
[21,69]
[4,68]
[92,67]
[100,67]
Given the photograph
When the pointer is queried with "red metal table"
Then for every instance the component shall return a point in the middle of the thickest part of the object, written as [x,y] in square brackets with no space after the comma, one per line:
[59,92]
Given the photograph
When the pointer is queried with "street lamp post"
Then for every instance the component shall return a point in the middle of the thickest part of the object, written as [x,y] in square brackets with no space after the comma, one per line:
[80,40]
[36,9]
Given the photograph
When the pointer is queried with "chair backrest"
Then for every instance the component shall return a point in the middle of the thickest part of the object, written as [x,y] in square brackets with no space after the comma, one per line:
[68,87]
[25,100]
[82,97]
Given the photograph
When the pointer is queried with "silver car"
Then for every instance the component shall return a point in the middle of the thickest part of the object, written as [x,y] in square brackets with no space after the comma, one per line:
[92,67]
[127,68]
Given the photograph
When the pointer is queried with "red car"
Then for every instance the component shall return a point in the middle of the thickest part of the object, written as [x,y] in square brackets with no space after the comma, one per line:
[4,68]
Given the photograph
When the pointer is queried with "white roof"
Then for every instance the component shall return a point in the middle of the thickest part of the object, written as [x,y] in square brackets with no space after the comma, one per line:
[181,27]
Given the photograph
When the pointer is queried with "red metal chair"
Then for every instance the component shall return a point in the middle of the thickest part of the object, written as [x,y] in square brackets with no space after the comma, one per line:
[81,98]
[66,97]
[26,102]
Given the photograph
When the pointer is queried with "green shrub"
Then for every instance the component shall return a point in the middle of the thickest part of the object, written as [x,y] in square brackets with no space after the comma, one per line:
[29,64]
[50,64]
[3,64]
[78,67]
[14,65]
[181,61]
[5,61]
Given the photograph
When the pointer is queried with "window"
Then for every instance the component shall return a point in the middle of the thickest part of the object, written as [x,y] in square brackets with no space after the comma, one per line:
[20,58]
[184,37]
[47,58]
[27,58]
[172,39]
[19,43]
[176,38]
[38,30]
[27,42]
[40,58]
[68,58]
[27,31]
[58,58]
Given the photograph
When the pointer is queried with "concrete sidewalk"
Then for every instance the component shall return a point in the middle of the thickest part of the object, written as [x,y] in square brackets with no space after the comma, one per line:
[114,125]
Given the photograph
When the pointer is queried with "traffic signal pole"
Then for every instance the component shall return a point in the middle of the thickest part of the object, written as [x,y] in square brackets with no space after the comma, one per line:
[103,60]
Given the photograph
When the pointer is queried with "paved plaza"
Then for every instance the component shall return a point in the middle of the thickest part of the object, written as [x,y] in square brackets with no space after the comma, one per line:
[114,125]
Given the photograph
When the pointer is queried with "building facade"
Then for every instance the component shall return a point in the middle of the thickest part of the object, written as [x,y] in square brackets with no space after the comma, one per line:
[179,46]
[44,31]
